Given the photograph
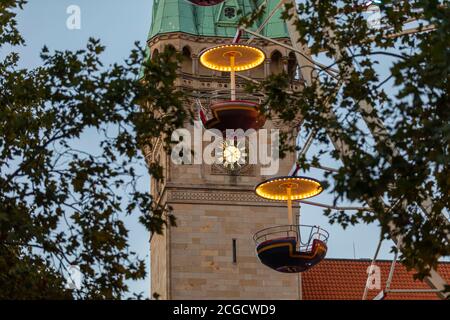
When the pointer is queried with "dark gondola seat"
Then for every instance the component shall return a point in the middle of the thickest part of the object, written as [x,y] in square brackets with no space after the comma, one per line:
[281,255]
[234,114]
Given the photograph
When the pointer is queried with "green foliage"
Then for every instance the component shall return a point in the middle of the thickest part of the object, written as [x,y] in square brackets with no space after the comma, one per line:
[61,205]
[412,102]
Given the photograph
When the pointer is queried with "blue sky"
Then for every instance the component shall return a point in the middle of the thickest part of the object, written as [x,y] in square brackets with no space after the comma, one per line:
[119,24]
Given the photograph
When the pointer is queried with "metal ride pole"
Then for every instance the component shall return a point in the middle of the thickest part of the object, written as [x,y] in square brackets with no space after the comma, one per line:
[412,291]
[289,205]
[325,68]
[263,24]
[300,280]
[333,207]
[391,271]
[302,152]
[233,78]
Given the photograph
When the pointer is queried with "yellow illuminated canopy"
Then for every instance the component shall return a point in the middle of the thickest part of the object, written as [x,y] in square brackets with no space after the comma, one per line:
[219,58]
[277,188]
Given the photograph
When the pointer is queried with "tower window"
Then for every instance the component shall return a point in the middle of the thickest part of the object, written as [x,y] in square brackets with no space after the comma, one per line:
[230,12]
[234,251]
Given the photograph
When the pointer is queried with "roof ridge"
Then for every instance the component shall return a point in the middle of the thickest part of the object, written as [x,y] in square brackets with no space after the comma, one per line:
[370,259]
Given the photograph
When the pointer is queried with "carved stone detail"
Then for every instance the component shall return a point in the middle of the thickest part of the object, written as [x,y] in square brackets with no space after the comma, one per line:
[244,170]
[214,196]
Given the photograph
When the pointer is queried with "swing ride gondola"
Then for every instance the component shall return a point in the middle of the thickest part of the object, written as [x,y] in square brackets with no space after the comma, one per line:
[232,113]
[286,248]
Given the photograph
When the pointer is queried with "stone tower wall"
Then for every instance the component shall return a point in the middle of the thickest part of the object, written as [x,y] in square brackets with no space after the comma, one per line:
[214,208]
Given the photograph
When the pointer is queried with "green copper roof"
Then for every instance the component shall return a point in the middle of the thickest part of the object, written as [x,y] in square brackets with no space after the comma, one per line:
[214,21]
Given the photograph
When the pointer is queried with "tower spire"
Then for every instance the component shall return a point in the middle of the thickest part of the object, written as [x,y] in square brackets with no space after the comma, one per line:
[212,21]
[172,16]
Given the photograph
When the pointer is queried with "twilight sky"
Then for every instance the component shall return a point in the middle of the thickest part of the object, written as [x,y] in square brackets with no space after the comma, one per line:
[119,24]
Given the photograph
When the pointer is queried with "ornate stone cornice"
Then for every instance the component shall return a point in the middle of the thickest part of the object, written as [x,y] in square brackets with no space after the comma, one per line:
[218,196]
[245,170]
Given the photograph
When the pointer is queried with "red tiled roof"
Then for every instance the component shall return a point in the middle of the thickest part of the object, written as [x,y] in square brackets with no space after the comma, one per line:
[345,279]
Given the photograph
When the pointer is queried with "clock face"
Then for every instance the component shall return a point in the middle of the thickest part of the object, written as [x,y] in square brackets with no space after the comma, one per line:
[233,154]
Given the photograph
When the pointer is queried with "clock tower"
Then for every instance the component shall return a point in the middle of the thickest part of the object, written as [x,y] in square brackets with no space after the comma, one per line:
[210,254]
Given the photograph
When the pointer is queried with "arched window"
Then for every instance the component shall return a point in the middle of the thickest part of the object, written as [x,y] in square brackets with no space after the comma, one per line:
[276,63]
[186,63]
[155,54]
[172,49]
[293,70]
